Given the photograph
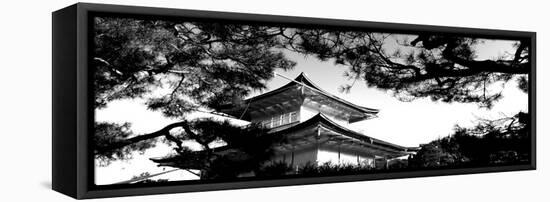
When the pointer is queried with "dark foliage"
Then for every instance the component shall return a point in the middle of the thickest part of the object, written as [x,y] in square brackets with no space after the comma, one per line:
[312,169]
[398,164]
[146,180]
[245,149]
[504,141]
[107,134]
[274,169]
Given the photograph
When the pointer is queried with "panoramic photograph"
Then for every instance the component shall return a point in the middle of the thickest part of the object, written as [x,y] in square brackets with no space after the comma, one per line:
[201,101]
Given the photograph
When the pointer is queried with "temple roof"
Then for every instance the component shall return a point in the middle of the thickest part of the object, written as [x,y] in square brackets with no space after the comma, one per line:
[306,88]
[302,78]
[304,134]
[321,120]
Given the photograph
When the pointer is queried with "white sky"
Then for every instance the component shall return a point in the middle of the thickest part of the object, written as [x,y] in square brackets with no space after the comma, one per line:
[403,123]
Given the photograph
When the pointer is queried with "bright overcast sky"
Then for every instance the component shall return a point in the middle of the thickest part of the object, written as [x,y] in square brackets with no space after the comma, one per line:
[403,123]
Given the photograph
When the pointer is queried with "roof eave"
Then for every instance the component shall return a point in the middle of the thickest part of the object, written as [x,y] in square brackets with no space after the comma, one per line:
[322,118]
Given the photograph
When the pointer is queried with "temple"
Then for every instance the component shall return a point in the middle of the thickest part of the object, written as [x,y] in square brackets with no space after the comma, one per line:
[314,123]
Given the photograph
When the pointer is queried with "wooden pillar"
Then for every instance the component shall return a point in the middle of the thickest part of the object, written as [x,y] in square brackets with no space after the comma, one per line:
[317,145]
[318,132]
[292,157]
[339,153]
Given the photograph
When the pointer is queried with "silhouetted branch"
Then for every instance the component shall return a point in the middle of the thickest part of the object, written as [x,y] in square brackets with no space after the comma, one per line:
[162,132]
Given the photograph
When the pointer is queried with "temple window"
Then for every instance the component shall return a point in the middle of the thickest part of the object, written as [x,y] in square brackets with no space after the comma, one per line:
[276,121]
[293,117]
[280,120]
[285,119]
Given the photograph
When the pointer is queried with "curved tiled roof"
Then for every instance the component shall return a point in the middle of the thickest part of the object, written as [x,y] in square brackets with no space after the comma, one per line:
[325,121]
[303,79]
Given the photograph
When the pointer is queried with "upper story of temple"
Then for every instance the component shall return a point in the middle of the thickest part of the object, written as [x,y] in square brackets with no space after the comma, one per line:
[298,101]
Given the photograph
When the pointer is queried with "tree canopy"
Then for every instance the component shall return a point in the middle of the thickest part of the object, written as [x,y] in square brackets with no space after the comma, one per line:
[179,68]
[439,67]
[204,64]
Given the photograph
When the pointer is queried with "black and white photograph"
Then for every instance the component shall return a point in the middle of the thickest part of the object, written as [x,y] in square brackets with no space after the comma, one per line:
[271,101]
[192,100]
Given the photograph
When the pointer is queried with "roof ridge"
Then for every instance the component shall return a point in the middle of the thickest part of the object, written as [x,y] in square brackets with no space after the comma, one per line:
[310,83]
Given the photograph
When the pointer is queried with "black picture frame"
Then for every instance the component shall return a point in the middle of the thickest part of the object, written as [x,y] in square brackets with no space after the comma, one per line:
[72,161]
